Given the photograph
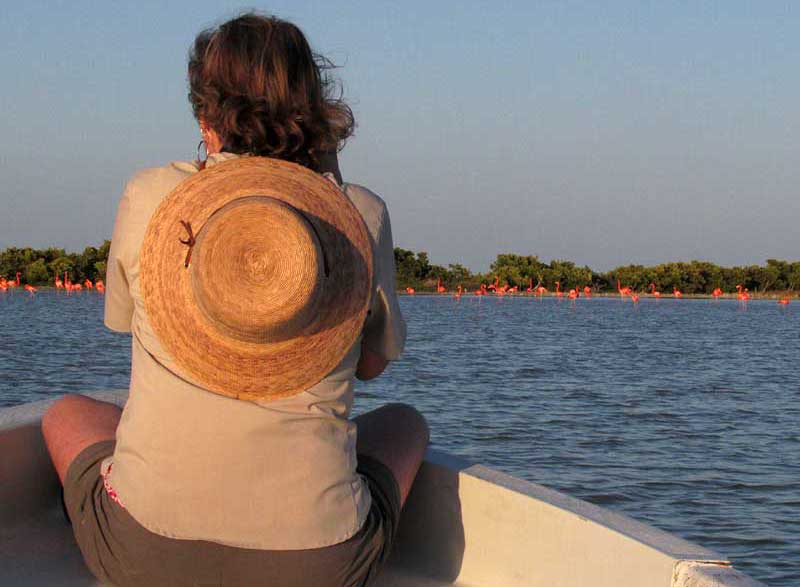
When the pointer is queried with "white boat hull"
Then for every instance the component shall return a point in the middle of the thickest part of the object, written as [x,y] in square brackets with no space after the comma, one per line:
[463,525]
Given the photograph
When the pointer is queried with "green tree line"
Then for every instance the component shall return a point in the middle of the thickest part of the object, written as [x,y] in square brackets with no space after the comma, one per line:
[39,267]
[694,277]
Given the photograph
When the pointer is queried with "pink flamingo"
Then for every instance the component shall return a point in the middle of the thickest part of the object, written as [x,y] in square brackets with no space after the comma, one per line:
[742,296]
[530,286]
[653,292]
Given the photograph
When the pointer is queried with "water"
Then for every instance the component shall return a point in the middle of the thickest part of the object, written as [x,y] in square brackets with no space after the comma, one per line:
[681,413]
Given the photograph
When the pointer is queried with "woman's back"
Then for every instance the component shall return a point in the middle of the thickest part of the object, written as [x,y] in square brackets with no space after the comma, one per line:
[246,463]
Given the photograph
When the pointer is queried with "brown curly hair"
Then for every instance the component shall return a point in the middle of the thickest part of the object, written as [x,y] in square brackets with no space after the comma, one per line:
[255,81]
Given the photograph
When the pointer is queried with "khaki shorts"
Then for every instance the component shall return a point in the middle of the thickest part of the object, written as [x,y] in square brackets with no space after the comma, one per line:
[118,550]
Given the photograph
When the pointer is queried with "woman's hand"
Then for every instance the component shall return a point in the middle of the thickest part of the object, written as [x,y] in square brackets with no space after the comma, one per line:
[370,365]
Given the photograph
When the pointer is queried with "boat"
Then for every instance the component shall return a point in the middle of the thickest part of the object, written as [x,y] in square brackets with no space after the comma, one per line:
[463,525]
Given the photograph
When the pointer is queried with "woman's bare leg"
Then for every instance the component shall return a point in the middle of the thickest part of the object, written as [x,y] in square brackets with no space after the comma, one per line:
[75,422]
[396,435]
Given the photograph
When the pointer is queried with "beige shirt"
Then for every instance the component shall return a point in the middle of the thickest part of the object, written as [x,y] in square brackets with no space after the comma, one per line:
[190,464]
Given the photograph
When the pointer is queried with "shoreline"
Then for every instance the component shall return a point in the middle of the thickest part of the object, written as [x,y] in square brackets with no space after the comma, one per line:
[760,297]
[769,296]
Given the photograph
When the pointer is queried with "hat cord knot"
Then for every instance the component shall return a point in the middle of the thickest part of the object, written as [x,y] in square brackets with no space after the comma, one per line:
[189,242]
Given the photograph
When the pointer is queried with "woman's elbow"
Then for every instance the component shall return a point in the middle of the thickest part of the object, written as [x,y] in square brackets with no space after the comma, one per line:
[370,365]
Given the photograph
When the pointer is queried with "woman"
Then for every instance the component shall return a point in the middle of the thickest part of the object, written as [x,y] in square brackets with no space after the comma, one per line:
[187,487]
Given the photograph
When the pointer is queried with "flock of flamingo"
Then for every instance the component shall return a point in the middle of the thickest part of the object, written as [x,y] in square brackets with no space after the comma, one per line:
[742,294]
[65,284]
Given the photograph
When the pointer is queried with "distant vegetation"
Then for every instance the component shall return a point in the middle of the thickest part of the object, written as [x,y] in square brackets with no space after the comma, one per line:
[38,267]
[695,277]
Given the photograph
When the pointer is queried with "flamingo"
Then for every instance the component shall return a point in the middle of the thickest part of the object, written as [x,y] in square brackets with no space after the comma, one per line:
[14,283]
[653,292]
[101,287]
[458,293]
[58,283]
[587,291]
[573,294]
[623,291]
[410,290]
[87,283]
[634,297]
[742,296]
[676,292]
[784,301]
[540,290]
[530,286]
[481,291]
[30,289]
[439,287]
[494,285]
[514,289]
[559,293]
[716,293]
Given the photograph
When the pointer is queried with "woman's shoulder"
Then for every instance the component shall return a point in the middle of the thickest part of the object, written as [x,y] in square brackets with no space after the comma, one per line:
[369,204]
[156,181]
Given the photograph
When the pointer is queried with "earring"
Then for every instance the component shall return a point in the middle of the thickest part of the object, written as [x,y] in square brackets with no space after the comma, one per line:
[202,159]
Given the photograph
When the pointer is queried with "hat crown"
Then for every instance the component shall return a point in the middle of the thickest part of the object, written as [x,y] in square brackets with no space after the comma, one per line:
[258,270]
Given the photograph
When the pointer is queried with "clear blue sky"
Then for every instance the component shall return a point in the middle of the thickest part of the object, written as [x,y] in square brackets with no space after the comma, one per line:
[601,132]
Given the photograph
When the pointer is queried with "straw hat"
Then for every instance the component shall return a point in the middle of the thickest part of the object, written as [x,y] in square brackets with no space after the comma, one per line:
[256,277]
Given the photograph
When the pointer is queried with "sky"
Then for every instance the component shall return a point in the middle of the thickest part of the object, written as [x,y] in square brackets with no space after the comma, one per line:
[605,133]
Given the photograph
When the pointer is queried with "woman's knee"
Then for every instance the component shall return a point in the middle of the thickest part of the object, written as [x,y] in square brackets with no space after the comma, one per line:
[412,414]
[408,416]
[79,411]
[63,406]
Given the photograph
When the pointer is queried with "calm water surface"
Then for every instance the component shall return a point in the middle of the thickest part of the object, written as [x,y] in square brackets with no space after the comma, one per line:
[681,413]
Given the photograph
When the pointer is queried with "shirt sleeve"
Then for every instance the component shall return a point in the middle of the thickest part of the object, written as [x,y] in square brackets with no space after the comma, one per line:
[118,299]
[385,329]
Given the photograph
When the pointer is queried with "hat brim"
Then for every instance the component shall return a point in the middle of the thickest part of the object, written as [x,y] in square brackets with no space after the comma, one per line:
[256,370]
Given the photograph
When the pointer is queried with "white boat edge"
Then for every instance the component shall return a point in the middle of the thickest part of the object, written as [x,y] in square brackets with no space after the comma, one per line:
[463,525]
